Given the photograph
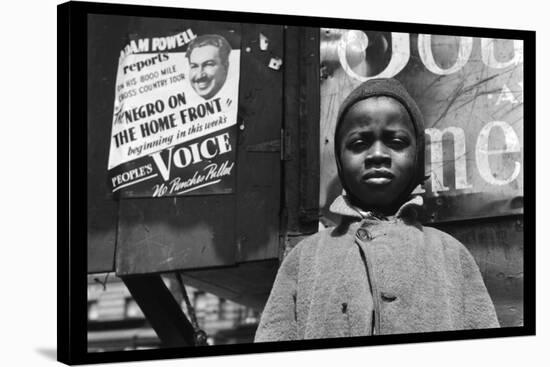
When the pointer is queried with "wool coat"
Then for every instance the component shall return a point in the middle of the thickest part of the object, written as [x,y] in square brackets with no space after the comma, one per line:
[375,276]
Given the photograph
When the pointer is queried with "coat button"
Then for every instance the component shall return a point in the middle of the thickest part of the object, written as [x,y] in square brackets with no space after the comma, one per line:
[363,234]
[388,297]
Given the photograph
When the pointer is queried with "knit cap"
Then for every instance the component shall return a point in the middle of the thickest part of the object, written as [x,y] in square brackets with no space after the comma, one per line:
[388,87]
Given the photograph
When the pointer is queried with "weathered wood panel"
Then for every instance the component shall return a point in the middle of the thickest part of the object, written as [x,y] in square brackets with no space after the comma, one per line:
[165,234]
[301,94]
[248,283]
[160,235]
[258,159]
[106,36]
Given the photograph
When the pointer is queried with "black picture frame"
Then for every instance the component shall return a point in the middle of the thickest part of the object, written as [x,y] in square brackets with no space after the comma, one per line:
[72,213]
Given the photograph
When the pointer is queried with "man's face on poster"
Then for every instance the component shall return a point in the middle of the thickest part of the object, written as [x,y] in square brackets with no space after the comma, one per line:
[207,71]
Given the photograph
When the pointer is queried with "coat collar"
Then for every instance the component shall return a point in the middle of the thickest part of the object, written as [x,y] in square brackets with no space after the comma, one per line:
[408,211]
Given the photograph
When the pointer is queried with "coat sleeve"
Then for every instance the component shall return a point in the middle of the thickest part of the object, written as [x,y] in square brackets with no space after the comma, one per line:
[479,311]
[278,321]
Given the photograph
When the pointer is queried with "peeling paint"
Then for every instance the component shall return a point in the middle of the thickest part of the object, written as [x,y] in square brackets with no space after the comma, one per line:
[264,42]
[275,63]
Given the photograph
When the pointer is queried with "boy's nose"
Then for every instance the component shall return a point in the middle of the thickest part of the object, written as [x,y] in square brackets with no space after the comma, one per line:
[377,153]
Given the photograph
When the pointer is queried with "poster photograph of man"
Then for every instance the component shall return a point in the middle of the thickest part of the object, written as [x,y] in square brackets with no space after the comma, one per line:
[175,123]
[208,57]
[300,183]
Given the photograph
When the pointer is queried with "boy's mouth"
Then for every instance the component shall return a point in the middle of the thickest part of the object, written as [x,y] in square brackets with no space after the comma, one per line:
[378,177]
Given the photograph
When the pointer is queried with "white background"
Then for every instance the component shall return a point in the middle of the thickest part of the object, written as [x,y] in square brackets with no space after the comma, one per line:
[28,162]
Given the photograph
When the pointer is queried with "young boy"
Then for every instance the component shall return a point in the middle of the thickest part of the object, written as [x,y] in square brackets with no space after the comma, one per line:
[379,271]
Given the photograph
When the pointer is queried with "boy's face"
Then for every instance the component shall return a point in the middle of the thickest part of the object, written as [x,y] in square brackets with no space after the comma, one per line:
[377,151]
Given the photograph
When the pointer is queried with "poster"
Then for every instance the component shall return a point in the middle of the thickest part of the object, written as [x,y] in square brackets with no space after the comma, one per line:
[175,114]
[470,92]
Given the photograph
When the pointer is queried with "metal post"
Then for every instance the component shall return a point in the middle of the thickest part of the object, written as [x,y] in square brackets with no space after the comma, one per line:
[161,309]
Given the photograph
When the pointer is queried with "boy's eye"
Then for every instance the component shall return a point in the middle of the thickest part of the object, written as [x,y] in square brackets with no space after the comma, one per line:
[398,143]
[357,145]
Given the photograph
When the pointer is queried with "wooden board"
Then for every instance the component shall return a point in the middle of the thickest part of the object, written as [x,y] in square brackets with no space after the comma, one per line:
[258,163]
[248,283]
[106,35]
[301,151]
[161,235]
[165,234]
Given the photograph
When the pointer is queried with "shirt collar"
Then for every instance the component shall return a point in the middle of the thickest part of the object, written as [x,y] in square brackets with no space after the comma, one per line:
[342,206]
